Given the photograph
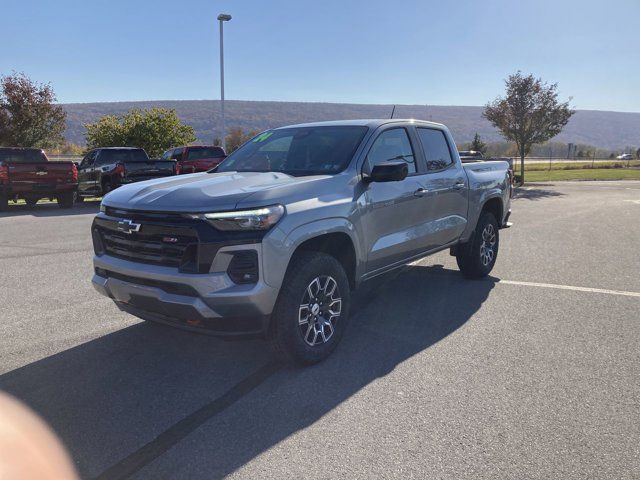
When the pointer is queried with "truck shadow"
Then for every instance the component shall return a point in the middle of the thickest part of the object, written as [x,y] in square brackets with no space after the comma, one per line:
[110,396]
[536,193]
[51,209]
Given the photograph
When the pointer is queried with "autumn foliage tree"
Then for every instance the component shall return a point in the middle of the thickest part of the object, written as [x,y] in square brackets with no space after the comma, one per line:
[155,130]
[236,137]
[29,116]
[529,113]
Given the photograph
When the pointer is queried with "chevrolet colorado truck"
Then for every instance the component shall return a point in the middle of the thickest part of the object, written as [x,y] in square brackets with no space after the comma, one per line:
[275,239]
[104,169]
[27,173]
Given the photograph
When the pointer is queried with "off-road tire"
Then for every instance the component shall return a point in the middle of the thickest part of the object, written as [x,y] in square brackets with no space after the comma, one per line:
[285,336]
[470,256]
[65,200]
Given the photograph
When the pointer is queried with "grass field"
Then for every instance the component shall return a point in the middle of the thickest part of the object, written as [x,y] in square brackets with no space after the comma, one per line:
[578,165]
[583,174]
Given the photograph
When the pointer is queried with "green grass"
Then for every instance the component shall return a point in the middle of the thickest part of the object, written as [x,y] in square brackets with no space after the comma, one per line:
[578,165]
[582,174]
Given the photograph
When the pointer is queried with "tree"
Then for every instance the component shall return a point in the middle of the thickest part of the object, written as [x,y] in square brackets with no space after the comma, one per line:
[28,114]
[529,113]
[155,130]
[478,145]
[237,137]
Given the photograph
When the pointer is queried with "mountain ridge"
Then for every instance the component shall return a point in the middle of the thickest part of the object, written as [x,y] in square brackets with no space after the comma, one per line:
[604,129]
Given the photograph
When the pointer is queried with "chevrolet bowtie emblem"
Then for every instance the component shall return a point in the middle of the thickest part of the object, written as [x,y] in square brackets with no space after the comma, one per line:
[127,226]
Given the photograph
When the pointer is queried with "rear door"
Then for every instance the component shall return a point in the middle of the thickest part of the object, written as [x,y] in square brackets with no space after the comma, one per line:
[393,211]
[446,187]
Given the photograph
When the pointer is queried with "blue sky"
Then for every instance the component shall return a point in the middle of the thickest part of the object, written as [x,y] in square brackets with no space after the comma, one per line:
[361,51]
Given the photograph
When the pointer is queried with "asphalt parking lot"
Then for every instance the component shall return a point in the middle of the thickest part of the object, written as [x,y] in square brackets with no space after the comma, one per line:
[531,373]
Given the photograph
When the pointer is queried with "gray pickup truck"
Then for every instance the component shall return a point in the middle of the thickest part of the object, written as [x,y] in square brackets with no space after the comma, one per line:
[274,240]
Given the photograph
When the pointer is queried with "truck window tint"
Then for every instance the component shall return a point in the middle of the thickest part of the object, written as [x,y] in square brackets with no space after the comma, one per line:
[297,151]
[107,157]
[436,148]
[392,146]
[200,153]
[17,156]
[177,154]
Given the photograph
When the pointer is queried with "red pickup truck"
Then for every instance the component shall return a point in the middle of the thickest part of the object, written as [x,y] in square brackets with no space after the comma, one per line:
[195,158]
[27,173]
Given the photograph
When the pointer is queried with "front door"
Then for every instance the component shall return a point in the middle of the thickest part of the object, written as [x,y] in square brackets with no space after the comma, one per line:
[86,174]
[393,212]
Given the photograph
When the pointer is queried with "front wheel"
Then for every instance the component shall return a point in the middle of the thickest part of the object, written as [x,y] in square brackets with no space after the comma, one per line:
[477,257]
[312,309]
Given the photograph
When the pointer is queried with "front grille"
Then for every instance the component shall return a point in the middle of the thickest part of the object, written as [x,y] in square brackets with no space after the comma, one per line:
[159,243]
[143,248]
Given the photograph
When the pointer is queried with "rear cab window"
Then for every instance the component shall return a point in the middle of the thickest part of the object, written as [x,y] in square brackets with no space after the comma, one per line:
[22,156]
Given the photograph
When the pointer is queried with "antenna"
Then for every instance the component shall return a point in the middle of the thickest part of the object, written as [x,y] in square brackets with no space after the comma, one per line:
[393,111]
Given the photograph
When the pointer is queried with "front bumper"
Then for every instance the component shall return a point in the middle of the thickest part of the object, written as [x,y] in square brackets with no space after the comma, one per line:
[210,303]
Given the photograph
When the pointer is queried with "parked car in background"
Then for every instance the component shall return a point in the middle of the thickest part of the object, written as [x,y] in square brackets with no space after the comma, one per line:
[470,154]
[27,173]
[195,158]
[104,169]
[275,239]
[625,156]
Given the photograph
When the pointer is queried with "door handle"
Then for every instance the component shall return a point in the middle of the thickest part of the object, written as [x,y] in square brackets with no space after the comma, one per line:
[459,185]
[421,192]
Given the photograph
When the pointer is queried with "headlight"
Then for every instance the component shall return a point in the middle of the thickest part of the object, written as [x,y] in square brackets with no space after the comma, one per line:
[103,209]
[258,219]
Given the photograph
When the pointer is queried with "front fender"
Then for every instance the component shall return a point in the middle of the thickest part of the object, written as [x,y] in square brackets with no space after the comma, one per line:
[278,247]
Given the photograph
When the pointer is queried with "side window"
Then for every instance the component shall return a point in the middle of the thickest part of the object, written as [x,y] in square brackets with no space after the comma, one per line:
[436,149]
[100,160]
[87,161]
[177,154]
[392,146]
[167,155]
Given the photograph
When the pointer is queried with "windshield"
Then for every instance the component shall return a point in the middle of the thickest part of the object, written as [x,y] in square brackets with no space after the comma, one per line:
[297,151]
[26,155]
[196,153]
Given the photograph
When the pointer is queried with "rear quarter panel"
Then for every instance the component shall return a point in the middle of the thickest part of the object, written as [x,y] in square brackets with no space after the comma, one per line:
[487,180]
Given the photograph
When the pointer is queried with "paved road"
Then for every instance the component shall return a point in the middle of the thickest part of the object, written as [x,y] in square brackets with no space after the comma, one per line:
[532,373]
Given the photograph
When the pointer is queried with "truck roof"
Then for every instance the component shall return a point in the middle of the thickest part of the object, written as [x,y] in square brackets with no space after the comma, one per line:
[371,123]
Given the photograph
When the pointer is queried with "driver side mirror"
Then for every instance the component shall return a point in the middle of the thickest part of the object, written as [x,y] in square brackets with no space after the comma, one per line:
[388,172]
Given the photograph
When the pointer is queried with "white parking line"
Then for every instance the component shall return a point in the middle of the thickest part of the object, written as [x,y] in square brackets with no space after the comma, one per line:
[570,287]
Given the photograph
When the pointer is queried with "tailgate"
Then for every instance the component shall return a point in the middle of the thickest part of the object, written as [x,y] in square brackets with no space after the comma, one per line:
[150,169]
[39,174]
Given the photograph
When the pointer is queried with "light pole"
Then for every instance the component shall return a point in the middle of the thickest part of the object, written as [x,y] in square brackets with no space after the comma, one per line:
[223,17]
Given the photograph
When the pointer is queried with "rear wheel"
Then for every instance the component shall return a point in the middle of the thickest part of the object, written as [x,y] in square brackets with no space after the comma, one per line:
[312,310]
[477,257]
[31,201]
[65,200]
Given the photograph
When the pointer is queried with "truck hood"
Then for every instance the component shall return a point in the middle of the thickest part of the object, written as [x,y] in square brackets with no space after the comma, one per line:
[199,192]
